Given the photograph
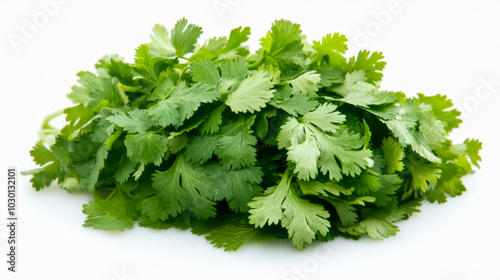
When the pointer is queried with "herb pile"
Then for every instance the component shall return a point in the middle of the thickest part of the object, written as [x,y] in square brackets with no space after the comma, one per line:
[293,141]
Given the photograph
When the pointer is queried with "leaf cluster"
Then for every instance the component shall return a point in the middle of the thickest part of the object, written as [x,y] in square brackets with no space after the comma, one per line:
[292,141]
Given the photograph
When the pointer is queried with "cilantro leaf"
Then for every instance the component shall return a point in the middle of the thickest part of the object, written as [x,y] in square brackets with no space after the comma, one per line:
[160,42]
[372,65]
[235,146]
[136,121]
[330,50]
[377,229]
[393,155]
[301,218]
[146,147]
[252,94]
[441,110]
[116,212]
[306,83]
[449,182]
[184,37]
[182,104]
[231,237]
[423,173]
[297,104]
[205,71]
[182,187]
[283,45]
[237,187]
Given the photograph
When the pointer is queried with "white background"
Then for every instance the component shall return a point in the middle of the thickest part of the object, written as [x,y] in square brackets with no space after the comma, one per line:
[448,47]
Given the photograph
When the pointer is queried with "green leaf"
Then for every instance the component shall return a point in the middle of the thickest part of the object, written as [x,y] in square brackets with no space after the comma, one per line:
[212,124]
[122,71]
[324,117]
[372,65]
[237,187]
[441,109]
[41,155]
[346,212]
[404,127]
[160,42]
[368,99]
[136,121]
[182,187]
[330,50]
[145,65]
[231,237]
[235,146]
[283,45]
[449,183]
[423,173]
[116,212]
[377,229]
[125,168]
[237,37]
[330,76]
[323,188]
[252,94]
[344,149]
[306,83]
[89,171]
[473,148]
[184,37]
[200,149]
[355,82]
[432,130]
[182,104]
[402,212]
[205,71]
[147,147]
[77,117]
[309,147]
[297,104]
[301,218]
[81,94]
[232,72]
[393,155]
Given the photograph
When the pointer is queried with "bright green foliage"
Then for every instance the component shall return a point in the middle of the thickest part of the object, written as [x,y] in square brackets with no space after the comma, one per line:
[184,37]
[294,141]
[300,217]
[306,83]
[146,147]
[116,212]
[330,50]
[183,187]
[393,155]
[252,94]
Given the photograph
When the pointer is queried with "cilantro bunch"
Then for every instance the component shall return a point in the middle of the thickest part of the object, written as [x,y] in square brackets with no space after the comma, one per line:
[292,141]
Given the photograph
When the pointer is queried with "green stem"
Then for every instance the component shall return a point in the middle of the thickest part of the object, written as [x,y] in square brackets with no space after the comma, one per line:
[48,130]
[256,64]
[45,124]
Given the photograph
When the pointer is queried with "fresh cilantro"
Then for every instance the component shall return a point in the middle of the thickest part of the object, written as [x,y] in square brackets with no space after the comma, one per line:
[293,141]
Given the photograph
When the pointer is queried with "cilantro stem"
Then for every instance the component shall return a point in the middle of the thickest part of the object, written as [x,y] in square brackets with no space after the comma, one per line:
[256,64]
[51,116]
[47,131]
